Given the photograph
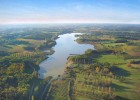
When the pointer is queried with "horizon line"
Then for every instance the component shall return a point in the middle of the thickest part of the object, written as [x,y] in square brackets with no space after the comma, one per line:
[39,23]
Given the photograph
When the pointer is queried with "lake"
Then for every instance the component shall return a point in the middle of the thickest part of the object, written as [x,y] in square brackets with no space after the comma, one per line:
[65,45]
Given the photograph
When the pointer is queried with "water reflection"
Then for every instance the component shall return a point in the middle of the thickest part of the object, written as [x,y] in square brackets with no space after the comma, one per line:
[65,45]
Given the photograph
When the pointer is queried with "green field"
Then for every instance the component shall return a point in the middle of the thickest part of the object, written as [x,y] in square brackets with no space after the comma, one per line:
[59,90]
[112,59]
[109,72]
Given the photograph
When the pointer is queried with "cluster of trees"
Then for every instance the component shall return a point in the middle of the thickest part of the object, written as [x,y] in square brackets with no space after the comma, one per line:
[32,57]
[83,59]
[42,36]
[14,82]
[135,62]
[93,81]
[47,44]
[59,90]
[27,54]
[19,60]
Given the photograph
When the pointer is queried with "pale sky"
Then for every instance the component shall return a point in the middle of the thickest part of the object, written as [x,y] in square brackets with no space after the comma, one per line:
[69,11]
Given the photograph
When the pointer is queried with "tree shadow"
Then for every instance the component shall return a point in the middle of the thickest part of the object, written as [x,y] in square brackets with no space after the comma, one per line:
[118,87]
[119,71]
[120,98]
[95,57]
[7,46]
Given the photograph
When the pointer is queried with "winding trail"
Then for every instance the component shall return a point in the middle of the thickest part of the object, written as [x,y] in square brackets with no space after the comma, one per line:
[46,87]
[31,92]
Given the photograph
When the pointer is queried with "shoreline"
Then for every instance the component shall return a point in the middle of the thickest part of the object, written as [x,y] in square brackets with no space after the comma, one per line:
[66,64]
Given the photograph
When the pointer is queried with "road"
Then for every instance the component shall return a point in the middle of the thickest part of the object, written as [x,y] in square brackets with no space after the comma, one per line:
[46,87]
[31,92]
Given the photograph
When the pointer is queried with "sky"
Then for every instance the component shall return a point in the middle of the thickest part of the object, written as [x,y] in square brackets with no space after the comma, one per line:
[69,11]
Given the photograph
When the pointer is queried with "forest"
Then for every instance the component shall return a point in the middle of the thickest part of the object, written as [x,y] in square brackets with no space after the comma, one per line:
[110,72]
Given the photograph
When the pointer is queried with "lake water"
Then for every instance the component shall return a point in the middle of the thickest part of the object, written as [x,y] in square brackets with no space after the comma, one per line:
[65,45]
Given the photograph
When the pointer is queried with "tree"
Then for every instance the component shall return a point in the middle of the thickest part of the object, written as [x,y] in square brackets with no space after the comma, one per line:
[97,69]
[129,65]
